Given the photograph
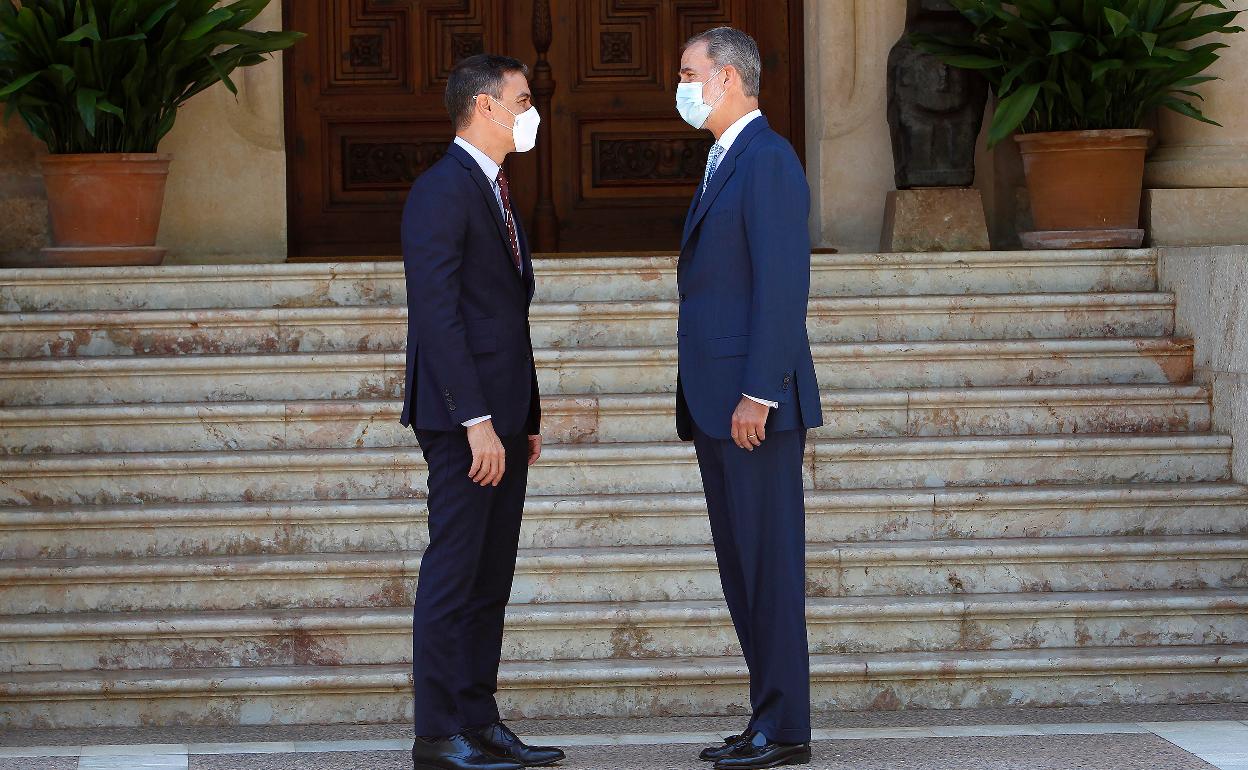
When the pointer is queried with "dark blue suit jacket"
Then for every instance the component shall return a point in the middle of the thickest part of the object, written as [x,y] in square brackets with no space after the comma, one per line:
[744,281]
[469,352]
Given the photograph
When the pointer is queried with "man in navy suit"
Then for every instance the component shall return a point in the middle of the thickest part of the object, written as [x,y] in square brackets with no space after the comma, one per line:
[471,397]
[747,391]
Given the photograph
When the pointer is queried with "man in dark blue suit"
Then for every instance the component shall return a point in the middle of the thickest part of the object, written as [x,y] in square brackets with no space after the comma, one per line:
[471,397]
[747,391]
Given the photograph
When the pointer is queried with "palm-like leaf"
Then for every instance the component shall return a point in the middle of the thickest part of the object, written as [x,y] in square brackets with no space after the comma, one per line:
[109,75]
[1068,65]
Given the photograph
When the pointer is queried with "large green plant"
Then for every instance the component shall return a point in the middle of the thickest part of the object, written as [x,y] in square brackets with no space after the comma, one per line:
[1068,65]
[109,75]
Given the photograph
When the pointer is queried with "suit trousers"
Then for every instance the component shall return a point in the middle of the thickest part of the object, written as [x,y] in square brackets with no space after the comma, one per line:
[465,583]
[757,510]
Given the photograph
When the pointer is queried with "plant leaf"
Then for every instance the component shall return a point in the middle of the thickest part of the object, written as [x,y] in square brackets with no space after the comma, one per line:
[85,32]
[19,84]
[1118,20]
[1012,111]
[1062,41]
[206,24]
[86,100]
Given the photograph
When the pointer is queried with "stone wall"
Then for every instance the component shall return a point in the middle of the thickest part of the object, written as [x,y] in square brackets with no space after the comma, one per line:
[226,200]
[1211,285]
[23,204]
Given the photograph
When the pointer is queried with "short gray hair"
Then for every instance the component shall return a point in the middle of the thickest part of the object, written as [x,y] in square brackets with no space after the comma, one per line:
[725,45]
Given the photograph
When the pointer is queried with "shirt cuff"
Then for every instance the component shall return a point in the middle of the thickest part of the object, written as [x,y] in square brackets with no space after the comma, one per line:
[772,404]
[477,421]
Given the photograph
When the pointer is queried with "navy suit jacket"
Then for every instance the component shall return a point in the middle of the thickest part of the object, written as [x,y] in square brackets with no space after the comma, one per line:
[469,352]
[744,282]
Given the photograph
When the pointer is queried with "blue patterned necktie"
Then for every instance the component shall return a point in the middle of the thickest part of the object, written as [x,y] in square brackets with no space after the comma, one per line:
[712,163]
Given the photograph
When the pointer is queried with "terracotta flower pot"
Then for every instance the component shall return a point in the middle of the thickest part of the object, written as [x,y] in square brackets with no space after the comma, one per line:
[1085,187]
[105,208]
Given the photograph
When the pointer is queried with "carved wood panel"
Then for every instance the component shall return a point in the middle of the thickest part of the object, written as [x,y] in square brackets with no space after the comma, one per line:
[639,158]
[636,165]
[365,113]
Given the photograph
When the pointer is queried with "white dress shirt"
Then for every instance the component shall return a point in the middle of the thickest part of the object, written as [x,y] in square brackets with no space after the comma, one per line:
[725,141]
[490,169]
[732,132]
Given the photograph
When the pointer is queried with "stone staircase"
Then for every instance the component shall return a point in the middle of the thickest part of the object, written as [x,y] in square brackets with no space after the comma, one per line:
[210,515]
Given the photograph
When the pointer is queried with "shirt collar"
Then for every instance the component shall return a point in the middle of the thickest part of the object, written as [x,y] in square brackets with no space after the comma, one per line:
[732,132]
[487,164]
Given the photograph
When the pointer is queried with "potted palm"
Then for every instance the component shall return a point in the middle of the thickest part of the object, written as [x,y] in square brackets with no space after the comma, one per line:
[1077,79]
[100,82]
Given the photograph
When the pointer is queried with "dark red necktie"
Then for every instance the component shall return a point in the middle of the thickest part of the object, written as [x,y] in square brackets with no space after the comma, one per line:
[504,191]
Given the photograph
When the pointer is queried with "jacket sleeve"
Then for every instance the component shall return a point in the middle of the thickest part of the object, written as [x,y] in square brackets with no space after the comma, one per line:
[434,229]
[777,210]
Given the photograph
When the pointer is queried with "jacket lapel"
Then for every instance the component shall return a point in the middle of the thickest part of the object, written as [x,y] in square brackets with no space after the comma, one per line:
[526,261]
[486,187]
[722,173]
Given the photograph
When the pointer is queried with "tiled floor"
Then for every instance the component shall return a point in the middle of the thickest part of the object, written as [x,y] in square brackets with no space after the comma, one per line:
[1187,738]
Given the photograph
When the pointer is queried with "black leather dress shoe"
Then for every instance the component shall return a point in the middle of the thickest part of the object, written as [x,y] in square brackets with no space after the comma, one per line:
[500,740]
[459,752]
[760,754]
[716,753]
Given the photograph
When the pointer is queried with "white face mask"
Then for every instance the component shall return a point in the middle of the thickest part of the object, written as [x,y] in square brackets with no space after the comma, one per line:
[523,128]
[691,105]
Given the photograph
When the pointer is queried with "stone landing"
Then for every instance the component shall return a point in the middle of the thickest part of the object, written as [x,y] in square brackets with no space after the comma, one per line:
[209,515]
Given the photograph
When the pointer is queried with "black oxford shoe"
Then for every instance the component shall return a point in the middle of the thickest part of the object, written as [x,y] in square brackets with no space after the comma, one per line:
[760,754]
[716,753]
[500,740]
[459,752]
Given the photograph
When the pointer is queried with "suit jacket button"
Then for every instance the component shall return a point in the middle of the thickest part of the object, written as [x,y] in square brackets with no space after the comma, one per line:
[682,297]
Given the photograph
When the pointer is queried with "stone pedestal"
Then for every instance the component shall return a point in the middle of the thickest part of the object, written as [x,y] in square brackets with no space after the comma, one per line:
[1210,216]
[935,219]
[1196,179]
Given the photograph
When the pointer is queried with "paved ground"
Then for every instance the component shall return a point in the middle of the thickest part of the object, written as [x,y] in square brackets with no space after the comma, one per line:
[1139,738]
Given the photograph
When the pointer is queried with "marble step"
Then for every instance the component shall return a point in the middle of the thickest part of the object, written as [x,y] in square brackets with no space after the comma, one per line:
[566,279]
[620,688]
[627,573]
[574,469]
[599,419]
[596,631]
[589,324]
[359,376]
[578,521]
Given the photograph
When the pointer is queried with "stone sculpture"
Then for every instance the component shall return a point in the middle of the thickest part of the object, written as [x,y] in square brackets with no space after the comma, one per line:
[935,111]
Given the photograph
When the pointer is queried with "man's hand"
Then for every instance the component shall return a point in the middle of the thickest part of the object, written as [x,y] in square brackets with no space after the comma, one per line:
[535,449]
[749,424]
[489,459]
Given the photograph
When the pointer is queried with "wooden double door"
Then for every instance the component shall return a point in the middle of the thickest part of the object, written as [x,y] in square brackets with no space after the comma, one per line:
[364,111]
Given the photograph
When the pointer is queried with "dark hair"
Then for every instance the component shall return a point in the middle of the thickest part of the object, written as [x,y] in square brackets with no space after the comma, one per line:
[479,74]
